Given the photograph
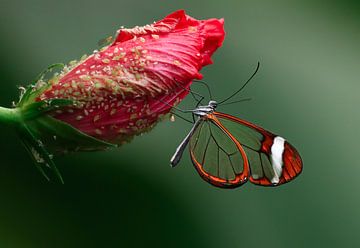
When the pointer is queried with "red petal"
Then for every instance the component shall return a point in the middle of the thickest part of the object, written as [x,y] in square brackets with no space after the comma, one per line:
[125,87]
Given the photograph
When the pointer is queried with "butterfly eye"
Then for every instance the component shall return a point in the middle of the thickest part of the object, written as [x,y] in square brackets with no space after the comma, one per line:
[213,104]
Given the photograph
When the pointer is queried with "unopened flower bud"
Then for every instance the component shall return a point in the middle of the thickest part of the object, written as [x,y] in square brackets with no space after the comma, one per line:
[120,91]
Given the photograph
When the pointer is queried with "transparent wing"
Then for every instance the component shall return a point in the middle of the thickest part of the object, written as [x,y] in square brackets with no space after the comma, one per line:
[217,156]
[272,160]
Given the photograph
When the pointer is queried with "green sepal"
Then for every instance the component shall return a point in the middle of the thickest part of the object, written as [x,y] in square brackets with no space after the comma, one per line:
[44,137]
[60,137]
[49,69]
[40,156]
[32,91]
[36,109]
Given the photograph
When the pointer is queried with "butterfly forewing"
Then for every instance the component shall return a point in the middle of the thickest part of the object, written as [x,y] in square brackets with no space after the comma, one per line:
[216,155]
[272,160]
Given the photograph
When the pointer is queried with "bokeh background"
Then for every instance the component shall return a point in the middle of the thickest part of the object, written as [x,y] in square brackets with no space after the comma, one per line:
[307,90]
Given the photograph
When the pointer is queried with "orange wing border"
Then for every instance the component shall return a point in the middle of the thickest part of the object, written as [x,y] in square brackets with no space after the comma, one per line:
[214,180]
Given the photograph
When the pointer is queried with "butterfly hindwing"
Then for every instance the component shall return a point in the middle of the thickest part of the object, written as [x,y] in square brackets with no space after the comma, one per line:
[272,160]
[217,156]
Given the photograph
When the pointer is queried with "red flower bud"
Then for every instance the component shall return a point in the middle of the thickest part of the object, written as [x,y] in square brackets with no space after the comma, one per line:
[122,89]
[115,93]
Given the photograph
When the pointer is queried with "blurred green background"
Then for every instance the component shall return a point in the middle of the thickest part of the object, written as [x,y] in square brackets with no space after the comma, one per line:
[307,90]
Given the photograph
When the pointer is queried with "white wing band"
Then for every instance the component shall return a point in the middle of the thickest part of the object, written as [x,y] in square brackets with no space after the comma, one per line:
[277,150]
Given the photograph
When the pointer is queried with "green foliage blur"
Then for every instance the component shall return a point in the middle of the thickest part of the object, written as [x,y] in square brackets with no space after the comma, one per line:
[307,90]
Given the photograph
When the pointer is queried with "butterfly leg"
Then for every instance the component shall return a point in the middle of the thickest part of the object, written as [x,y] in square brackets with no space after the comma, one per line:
[193,118]
[175,159]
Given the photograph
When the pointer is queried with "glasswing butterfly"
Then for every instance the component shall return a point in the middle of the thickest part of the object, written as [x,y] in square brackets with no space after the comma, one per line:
[227,151]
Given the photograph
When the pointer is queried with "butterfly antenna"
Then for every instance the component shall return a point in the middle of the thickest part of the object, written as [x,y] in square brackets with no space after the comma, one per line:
[193,93]
[243,86]
[206,85]
[178,109]
[241,100]
[174,107]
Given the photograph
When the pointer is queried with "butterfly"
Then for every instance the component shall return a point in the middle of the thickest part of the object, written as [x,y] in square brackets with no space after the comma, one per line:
[227,151]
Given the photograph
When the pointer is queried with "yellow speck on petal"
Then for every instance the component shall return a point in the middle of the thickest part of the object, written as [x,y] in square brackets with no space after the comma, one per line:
[113,111]
[139,122]
[192,29]
[85,77]
[133,116]
[155,36]
[177,62]
[137,76]
[96,118]
[106,61]
[98,85]
[72,62]
[83,57]
[122,130]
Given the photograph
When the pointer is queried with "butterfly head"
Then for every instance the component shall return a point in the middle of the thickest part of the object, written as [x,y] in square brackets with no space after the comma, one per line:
[213,104]
[204,110]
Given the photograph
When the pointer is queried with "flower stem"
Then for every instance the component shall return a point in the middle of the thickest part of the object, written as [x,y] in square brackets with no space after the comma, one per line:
[9,116]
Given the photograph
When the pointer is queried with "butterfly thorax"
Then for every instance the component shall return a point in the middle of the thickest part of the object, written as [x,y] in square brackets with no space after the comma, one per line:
[205,110]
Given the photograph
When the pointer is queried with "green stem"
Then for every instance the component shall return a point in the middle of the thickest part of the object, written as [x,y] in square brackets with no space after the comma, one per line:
[9,116]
